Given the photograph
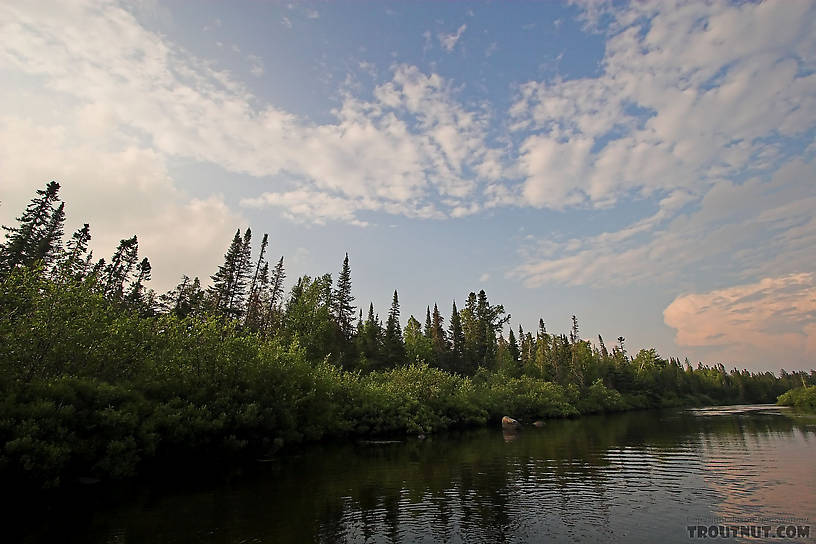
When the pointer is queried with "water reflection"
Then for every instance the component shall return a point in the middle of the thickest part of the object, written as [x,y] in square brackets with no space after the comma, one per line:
[637,476]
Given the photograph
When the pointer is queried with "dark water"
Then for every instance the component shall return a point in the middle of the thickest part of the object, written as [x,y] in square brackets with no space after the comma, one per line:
[636,477]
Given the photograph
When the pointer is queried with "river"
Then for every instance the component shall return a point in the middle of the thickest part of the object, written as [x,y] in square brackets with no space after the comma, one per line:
[634,477]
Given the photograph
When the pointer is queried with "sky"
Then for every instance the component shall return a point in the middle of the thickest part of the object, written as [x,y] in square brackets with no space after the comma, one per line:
[648,167]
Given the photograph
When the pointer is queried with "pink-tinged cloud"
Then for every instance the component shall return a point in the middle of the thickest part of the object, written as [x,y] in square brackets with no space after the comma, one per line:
[770,324]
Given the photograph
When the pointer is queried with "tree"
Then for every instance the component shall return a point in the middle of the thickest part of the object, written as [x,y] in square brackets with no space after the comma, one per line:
[343,308]
[229,283]
[574,334]
[75,262]
[370,341]
[417,346]
[117,273]
[49,247]
[457,339]
[35,235]
[136,295]
[259,279]
[308,319]
[186,299]
[439,339]
[515,353]
[394,347]
[273,311]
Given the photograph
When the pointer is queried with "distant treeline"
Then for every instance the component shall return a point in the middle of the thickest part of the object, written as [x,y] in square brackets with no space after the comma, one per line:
[100,375]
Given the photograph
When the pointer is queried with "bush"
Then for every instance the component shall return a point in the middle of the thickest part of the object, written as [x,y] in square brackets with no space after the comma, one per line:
[803,398]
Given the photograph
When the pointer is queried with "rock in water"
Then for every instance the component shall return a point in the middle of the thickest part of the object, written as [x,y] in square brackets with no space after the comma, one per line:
[538,423]
[510,423]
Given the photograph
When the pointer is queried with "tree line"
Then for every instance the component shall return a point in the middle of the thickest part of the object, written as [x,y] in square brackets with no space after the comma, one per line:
[236,365]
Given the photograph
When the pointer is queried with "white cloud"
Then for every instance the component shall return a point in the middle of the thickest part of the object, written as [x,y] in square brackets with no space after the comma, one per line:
[770,323]
[742,230]
[692,100]
[119,193]
[449,41]
[397,153]
[484,277]
[285,21]
[689,94]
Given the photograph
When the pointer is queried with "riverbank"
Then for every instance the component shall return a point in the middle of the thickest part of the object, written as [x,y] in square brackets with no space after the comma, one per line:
[95,389]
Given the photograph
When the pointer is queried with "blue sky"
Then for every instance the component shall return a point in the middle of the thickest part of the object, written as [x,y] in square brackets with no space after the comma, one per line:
[648,167]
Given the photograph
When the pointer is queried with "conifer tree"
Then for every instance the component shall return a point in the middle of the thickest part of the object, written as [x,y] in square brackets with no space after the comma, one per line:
[260,278]
[574,334]
[515,353]
[75,261]
[604,352]
[136,295]
[49,247]
[122,264]
[229,283]
[273,304]
[457,339]
[428,325]
[343,299]
[28,242]
[370,341]
[394,344]
[438,338]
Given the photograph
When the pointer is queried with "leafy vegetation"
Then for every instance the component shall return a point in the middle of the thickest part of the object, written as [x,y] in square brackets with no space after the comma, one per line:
[803,398]
[100,376]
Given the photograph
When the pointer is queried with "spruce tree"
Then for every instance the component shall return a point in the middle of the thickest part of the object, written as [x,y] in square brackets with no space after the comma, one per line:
[259,278]
[75,262]
[343,299]
[457,339]
[28,242]
[394,344]
[227,286]
[515,353]
[273,304]
[438,338]
[136,295]
[49,247]
[370,341]
[117,273]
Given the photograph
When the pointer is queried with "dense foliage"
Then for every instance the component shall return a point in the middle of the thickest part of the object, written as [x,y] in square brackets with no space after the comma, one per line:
[803,398]
[100,375]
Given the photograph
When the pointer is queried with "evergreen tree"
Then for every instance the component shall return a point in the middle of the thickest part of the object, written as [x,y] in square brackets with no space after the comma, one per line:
[394,344]
[75,261]
[470,326]
[49,247]
[343,308]
[273,311]
[33,238]
[260,278]
[370,341]
[229,283]
[428,325]
[515,353]
[439,339]
[604,352]
[136,295]
[457,339]
[117,273]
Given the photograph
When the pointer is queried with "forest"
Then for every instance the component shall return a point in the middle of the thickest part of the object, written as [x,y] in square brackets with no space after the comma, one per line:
[101,377]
